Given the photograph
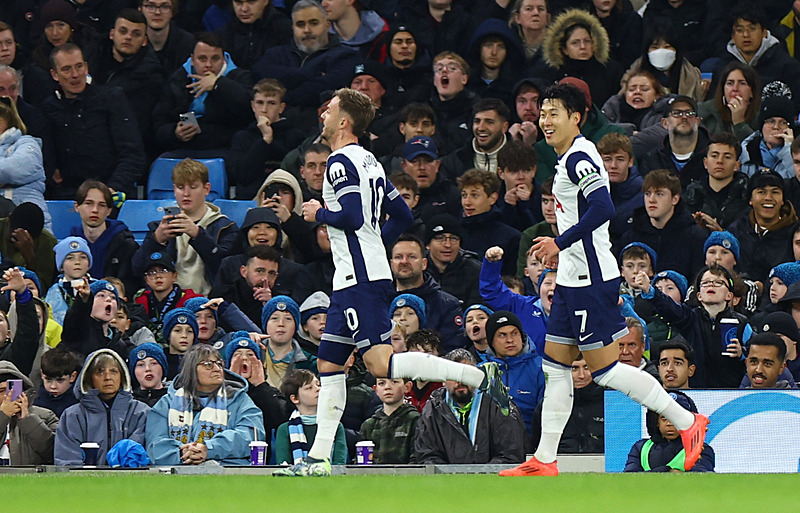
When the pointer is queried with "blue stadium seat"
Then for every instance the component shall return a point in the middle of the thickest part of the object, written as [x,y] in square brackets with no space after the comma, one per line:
[137,213]
[64,217]
[159,182]
[235,209]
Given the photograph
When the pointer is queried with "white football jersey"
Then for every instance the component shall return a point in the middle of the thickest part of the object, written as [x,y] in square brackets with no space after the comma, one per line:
[580,172]
[358,256]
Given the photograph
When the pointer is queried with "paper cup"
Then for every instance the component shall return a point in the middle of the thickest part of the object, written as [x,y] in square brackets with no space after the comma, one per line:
[258,453]
[89,451]
[364,452]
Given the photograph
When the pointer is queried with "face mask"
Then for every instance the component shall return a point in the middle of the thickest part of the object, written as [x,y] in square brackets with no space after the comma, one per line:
[662,58]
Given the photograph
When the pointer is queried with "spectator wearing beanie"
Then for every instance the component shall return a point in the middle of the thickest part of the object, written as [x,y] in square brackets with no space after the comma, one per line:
[781,277]
[770,146]
[61,294]
[217,323]
[24,241]
[284,354]
[87,325]
[410,302]
[243,357]
[175,349]
[316,304]
[149,376]
[52,12]
[658,331]
[522,369]
[455,268]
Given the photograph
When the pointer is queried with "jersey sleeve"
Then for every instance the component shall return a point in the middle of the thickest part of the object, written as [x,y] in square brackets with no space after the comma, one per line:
[584,172]
[342,175]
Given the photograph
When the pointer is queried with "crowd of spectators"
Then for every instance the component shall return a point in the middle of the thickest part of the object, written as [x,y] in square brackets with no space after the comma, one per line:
[204,336]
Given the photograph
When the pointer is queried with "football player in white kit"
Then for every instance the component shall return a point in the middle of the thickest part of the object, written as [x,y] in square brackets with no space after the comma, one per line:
[585,316]
[356,192]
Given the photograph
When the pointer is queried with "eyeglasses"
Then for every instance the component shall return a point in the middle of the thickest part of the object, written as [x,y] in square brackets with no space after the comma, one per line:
[210,364]
[451,68]
[453,239]
[682,113]
[157,8]
[777,123]
[157,272]
[712,283]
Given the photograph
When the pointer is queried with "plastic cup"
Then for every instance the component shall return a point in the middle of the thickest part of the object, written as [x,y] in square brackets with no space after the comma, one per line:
[258,453]
[364,452]
[89,451]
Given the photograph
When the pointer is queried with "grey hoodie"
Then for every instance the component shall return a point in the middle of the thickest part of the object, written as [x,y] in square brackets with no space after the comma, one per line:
[767,43]
[92,420]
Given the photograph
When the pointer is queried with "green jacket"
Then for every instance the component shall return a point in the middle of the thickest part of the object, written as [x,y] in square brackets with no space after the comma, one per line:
[594,129]
[45,264]
[393,434]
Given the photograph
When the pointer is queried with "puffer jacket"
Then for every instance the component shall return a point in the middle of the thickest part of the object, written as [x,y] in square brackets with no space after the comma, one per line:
[22,171]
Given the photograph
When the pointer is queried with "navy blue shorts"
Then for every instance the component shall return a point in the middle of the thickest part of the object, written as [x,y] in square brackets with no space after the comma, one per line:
[587,317]
[357,317]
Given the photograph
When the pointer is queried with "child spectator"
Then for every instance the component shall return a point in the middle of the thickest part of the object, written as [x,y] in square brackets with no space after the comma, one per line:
[718,348]
[408,310]
[162,293]
[313,316]
[73,260]
[26,431]
[475,317]
[663,451]
[210,313]
[106,413]
[423,341]
[280,319]
[87,325]
[180,332]
[399,338]
[59,371]
[634,258]
[294,438]
[545,228]
[482,221]
[722,248]
[132,329]
[531,272]
[674,286]
[148,365]
[393,427]
[781,277]
[409,191]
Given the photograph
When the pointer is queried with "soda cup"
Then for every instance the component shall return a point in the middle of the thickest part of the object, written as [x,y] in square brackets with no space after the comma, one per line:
[364,452]
[89,451]
[258,453]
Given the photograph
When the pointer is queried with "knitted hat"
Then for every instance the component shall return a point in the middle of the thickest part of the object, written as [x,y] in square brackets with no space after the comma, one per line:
[787,272]
[99,285]
[500,319]
[478,306]
[71,245]
[582,86]
[441,224]
[159,259]
[240,340]
[151,350]
[178,316]
[27,273]
[58,10]
[318,302]
[677,278]
[765,178]
[282,303]
[420,145]
[650,251]
[195,304]
[725,239]
[777,107]
[414,302]
[373,69]
[545,272]
[781,323]
[28,216]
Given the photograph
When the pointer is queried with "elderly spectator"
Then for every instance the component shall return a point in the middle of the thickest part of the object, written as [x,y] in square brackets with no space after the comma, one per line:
[529,19]
[206,415]
[770,146]
[106,413]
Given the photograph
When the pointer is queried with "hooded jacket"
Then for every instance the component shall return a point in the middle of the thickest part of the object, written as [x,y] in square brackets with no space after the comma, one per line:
[247,42]
[112,253]
[393,434]
[453,120]
[84,335]
[661,158]
[752,159]
[94,420]
[25,344]
[22,170]
[523,376]
[510,69]
[713,123]
[369,38]
[32,436]
[229,447]
[294,228]
[460,277]
[442,440]
[760,250]
[627,197]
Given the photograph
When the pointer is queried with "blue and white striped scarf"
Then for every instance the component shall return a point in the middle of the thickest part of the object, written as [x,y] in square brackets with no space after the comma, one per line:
[212,419]
[297,435]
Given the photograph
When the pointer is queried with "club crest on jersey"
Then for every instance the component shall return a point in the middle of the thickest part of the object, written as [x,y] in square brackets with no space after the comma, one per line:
[336,174]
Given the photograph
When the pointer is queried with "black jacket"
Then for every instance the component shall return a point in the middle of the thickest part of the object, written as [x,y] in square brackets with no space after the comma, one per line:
[585,430]
[252,156]
[97,137]
[453,120]
[178,48]
[227,110]
[247,42]
[725,206]
[485,230]
[661,158]
[760,251]
[116,247]
[443,313]
[22,350]
[84,335]
[442,197]
[460,277]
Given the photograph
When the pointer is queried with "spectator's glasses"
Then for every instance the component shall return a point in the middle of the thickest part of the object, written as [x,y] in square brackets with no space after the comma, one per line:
[157,272]
[210,364]
[682,113]
[452,239]
[450,68]
[712,283]
[157,7]
[777,123]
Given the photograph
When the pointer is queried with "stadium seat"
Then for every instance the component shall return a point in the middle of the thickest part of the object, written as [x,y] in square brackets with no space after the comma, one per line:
[159,182]
[137,213]
[235,209]
[64,217]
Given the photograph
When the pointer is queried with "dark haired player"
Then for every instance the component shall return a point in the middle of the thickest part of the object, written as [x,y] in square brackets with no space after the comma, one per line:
[585,317]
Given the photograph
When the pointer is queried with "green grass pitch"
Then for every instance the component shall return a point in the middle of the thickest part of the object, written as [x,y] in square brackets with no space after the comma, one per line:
[578,493]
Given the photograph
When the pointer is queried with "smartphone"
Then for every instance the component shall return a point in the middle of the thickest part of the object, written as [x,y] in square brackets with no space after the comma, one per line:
[728,329]
[76,283]
[188,118]
[15,385]
[172,211]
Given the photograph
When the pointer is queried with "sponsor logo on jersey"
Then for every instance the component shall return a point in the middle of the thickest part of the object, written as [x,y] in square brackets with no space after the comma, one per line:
[336,174]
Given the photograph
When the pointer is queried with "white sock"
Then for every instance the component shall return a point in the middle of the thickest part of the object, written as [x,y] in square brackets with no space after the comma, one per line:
[645,390]
[556,409]
[426,367]
[330,406]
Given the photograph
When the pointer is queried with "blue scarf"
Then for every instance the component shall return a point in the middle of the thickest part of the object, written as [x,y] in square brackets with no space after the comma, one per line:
[198,105]
[297,435]
[472,424]
[769,157]
[211,420]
